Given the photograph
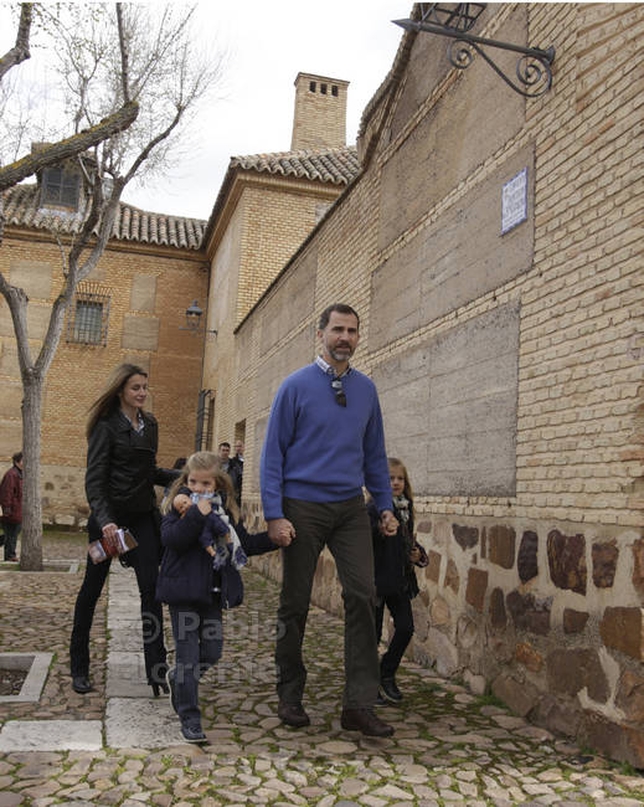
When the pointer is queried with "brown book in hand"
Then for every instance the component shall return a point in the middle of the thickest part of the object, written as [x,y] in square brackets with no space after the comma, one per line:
[105,548]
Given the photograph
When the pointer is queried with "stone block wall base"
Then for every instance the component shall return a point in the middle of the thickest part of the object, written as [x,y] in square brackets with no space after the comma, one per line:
[443,652]
[617,741]
[520,696]
[557,716]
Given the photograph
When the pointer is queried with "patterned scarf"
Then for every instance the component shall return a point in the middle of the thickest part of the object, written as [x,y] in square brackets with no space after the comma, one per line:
[402,508]
[402,505]
[222,550]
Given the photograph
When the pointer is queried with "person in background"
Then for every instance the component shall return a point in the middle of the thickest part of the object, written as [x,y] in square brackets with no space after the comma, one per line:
[224,455]
[198,584]
[11,503]
[239,451]
[396,584]
[238,459]
[324,442]
[122,440]
[232,467]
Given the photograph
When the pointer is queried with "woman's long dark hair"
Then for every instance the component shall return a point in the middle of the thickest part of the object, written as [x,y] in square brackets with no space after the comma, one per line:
[109,401]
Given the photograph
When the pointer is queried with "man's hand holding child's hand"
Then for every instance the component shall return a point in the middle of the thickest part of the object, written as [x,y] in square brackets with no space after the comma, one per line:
[281,531]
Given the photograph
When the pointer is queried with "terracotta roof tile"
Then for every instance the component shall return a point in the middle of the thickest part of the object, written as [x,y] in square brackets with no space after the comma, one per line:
[131,224]
[338,166]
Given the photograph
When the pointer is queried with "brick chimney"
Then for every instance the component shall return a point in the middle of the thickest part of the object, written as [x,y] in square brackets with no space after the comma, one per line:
[320,118]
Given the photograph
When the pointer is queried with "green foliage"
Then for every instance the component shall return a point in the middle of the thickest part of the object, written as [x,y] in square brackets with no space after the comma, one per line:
[627,769]
[489,699]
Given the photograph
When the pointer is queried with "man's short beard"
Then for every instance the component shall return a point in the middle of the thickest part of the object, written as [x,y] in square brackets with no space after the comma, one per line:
[337,357]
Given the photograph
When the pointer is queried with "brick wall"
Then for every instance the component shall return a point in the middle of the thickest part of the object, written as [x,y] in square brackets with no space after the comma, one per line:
[510,365]
[267,218]
[320,116]
[148,290]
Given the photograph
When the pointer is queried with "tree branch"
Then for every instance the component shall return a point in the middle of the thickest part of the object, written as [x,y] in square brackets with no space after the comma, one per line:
[17,301]
[14,173]
[125,56]
[145,153]
[20,51]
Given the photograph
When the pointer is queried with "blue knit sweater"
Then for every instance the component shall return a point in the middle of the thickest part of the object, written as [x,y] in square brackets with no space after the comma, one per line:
[318,451]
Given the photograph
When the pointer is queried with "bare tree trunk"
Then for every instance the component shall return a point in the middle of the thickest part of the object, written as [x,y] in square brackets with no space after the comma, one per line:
[166,78]
[31,541]
[20,51]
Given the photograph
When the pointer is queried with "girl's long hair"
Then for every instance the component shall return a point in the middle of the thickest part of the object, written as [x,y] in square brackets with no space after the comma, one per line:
[394,462]
[210,462]
[109,401]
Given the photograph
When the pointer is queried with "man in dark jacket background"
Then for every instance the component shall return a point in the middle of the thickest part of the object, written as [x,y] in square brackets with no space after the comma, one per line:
[11,502]
[233,466]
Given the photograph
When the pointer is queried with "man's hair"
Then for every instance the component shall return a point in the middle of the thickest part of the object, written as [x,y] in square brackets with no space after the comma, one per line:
[340,308]
[225,444]
[17,457]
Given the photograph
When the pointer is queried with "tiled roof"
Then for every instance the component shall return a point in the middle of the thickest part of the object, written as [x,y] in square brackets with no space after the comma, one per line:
[338,166]
[131,224]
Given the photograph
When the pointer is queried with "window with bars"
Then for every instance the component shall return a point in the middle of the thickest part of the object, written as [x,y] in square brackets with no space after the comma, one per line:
[87,323]
[60,188]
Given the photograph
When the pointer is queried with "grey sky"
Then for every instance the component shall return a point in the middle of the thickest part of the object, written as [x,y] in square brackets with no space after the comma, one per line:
[268,44]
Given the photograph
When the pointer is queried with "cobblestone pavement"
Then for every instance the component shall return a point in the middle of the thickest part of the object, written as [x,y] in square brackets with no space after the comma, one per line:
[450,748]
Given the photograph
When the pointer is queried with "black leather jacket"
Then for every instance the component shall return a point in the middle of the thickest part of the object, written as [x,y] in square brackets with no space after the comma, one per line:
[122,470]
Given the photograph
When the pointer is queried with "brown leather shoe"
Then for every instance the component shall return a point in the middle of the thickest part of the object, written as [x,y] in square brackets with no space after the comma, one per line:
[366,721]
[293,714]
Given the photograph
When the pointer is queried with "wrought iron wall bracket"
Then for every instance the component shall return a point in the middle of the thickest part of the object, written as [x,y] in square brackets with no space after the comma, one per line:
[533,68]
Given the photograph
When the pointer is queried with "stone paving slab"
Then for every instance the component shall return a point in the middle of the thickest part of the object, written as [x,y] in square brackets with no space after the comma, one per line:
[36,666]
[51,735]
[123,611]
[126,676]
[144,723]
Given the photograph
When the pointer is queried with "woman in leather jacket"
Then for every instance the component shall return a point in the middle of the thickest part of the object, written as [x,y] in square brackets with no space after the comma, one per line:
[121,473]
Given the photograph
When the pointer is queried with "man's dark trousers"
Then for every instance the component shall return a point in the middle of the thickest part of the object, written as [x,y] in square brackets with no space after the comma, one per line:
[344,527]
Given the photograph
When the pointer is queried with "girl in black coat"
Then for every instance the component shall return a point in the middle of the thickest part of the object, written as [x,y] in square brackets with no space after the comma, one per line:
[122,442]
[205,547]
[396,585]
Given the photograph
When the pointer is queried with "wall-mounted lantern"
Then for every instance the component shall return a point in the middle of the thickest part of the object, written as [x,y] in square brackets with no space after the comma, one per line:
[194,322]
[455,20]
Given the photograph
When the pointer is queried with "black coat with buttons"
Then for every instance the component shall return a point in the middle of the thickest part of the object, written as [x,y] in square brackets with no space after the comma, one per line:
[186,577]
[393,567]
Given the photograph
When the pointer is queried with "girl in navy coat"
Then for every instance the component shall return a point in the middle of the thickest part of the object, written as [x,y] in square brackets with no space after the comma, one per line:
[205,547]
[394,559]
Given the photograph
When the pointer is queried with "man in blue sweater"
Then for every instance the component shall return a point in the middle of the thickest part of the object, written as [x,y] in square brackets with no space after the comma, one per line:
[324,442]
